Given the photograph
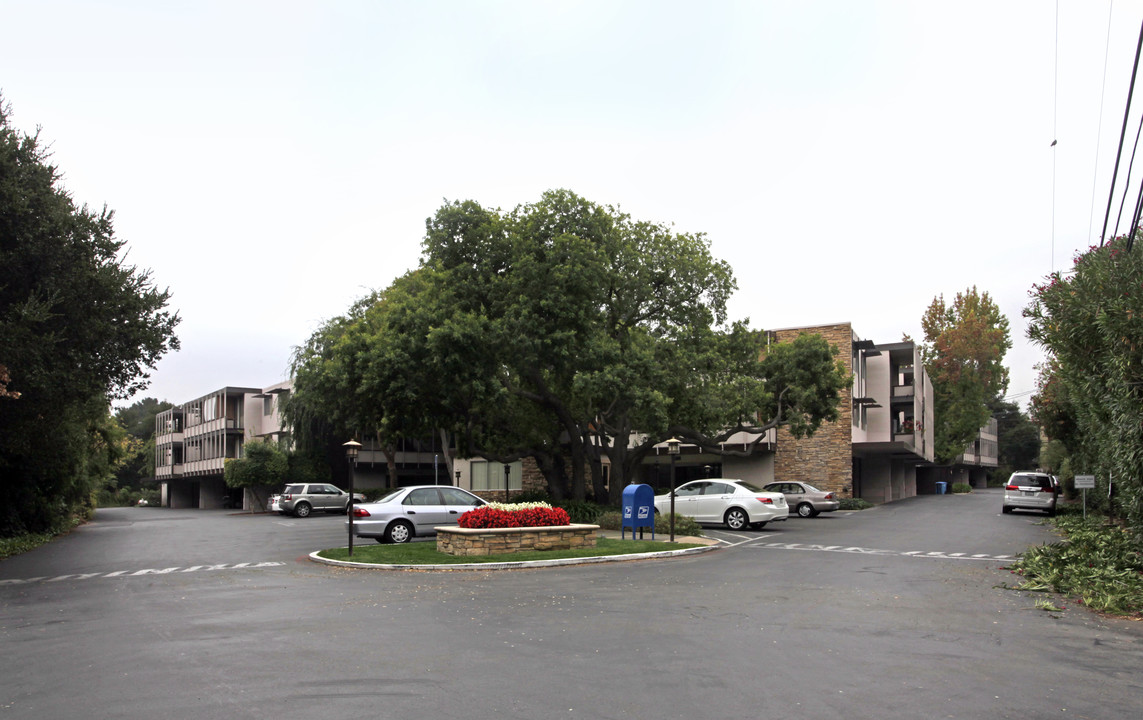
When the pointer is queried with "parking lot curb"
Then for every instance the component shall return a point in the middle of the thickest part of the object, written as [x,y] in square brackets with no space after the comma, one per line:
[521,565]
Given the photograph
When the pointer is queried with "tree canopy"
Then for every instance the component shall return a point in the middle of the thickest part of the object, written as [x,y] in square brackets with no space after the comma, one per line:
[1090,394]
[78,327]
[963,353]
[560,331]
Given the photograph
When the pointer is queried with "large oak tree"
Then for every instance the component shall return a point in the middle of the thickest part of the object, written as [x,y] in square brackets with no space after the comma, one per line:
[563,331]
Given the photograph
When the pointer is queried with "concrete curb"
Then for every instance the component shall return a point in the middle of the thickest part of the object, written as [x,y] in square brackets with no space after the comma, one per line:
[528,564]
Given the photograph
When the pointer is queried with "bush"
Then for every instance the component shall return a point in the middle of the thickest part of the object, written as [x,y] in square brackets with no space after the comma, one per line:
[960,488]
[125,497]
[683,524]
[582,512]
[853,504]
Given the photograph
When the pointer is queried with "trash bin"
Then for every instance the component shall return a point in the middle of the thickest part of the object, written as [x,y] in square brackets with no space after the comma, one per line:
[941,488]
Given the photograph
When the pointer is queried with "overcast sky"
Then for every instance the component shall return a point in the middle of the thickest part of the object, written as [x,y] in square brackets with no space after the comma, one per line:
[271,162]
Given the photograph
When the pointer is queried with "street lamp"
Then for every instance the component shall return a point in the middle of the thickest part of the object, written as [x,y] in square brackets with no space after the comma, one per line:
[351,449]
[507,472]
[673,449]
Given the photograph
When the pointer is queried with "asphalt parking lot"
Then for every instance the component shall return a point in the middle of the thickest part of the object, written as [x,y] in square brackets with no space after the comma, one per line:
[895,612]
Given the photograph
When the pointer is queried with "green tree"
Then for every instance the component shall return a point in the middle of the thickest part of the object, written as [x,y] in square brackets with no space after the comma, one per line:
[1091,391]
[963,353]
[78,328]
[560,331]
[262,467]
[1018,438]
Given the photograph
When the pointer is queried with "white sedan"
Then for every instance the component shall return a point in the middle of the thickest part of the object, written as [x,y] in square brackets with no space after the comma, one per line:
[736,503]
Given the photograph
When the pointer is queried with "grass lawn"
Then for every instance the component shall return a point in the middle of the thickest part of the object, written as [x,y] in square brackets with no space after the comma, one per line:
[425,553]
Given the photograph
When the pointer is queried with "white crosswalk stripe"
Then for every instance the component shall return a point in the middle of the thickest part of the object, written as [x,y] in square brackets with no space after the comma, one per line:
[874,551]
[138,573]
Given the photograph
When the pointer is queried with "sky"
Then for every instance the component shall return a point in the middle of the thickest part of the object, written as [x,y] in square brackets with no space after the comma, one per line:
[271,162]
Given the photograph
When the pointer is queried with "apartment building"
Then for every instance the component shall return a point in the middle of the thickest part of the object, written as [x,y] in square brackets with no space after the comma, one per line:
[877,449]
[194,440]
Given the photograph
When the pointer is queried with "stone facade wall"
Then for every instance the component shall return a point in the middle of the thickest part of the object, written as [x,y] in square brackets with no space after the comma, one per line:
[826,459]
[503,541]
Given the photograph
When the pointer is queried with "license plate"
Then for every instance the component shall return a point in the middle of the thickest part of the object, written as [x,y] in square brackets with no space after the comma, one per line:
[1030,493]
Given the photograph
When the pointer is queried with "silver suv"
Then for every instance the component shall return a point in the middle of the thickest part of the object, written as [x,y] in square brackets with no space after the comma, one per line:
[1031,491]
[303,498]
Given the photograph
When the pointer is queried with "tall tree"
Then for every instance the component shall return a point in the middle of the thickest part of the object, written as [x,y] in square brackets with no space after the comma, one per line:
[563,330]
[78,327]
[963,352]
[1018,438]
[1090,320]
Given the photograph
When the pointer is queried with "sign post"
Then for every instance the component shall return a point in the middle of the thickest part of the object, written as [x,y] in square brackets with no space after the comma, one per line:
[1084,482]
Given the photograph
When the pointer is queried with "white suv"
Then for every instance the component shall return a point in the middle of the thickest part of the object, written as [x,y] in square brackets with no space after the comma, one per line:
[1031,491]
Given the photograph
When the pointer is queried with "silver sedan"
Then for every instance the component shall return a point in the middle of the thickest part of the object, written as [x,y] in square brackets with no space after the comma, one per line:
[805,499]
[408,512]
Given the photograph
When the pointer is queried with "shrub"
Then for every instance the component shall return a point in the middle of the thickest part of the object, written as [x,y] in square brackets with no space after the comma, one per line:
[531,515]
[683,525]
[853,504]
[960,488]
[582,512]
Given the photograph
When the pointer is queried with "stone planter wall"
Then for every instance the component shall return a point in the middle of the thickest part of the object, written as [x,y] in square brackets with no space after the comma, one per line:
[502,541]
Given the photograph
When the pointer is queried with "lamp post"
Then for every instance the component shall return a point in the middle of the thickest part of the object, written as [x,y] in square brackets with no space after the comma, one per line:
[507,472]
[457,477]
[673,449]
[351,449]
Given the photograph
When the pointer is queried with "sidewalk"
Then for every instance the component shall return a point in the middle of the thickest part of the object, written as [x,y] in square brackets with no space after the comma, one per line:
[659,537]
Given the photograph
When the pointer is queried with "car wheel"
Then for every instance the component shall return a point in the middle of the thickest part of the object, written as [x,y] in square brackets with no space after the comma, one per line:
[806,510]
[302,509]
[399,532]
[757,526]
[736,518]
[1006,510]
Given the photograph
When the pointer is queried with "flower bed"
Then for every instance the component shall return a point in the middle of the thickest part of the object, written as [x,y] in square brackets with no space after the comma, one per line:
[499,528]
[516,515]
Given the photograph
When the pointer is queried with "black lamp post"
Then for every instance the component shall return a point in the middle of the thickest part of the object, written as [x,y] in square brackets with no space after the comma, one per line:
[507,472]
[351,449]
[673,449]
[457,477]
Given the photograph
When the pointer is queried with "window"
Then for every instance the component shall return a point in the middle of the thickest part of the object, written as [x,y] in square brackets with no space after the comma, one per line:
[268,406]
[488,475]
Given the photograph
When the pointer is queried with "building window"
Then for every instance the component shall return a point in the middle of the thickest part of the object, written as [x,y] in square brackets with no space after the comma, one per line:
[268,406]
[488,475]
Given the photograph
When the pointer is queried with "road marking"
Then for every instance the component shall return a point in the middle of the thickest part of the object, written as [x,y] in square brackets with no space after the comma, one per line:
[138,573]
[874,551]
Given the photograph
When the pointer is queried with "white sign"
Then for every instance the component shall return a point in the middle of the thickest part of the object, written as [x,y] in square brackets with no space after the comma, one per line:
[1085,481]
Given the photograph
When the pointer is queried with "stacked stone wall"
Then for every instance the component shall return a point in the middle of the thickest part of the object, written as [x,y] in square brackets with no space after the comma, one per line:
[824,460]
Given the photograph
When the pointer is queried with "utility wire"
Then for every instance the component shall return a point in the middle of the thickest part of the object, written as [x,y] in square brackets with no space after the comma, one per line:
[1099,126]
[1122,133]
[1127,182]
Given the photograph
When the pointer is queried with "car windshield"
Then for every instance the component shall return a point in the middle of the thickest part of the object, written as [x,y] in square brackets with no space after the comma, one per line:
[810,488]
[750,486]
[292,489]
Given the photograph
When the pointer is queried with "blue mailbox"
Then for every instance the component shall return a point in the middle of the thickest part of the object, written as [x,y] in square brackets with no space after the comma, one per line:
[638,510]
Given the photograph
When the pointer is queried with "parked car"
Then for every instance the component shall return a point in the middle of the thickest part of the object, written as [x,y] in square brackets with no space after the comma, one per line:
[415,511]
[734,502]
[804,499]
[1031,491]
[301,499]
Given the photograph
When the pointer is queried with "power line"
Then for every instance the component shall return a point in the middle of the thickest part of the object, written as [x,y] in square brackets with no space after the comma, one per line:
[1122,133]
[1098,128]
